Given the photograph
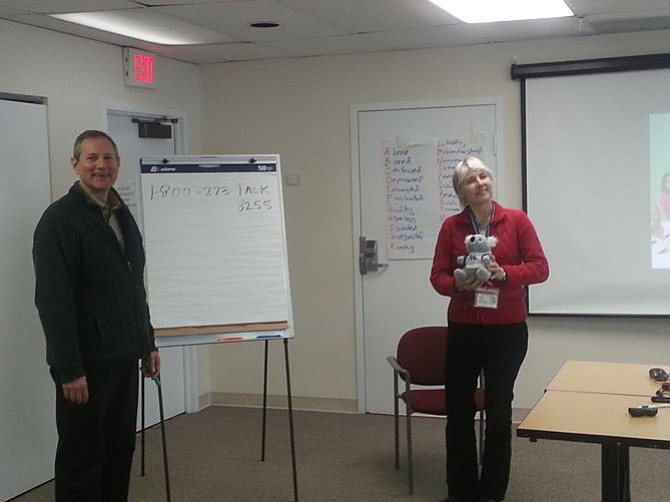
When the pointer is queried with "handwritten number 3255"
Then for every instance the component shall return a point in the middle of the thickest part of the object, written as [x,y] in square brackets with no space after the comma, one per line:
[254,205]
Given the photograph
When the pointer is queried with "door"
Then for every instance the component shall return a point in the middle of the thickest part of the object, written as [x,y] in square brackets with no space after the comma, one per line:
[27,427]
[402,158]
[123,127]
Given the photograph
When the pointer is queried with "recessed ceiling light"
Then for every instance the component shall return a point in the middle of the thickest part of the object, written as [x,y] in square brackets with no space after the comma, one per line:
[488,11]
[264,24]
[144,24]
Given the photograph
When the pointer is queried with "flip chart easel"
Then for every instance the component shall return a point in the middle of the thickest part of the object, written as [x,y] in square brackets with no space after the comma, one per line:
[215,244]
[263,429]
[217,266]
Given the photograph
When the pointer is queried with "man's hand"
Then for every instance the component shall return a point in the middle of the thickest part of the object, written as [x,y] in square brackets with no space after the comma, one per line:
[76,391]
[151,365]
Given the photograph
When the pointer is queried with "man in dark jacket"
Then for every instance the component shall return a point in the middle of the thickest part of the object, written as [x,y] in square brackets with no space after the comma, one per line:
[89,268]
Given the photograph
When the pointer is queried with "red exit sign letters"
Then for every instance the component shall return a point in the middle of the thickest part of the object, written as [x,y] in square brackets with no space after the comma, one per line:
[138,68]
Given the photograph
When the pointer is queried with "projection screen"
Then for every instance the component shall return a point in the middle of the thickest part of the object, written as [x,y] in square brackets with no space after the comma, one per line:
[596,169]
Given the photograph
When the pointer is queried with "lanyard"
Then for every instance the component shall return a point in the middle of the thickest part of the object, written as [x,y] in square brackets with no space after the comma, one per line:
[475,225]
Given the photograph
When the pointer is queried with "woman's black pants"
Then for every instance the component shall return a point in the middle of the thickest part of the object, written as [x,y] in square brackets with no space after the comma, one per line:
[499,350]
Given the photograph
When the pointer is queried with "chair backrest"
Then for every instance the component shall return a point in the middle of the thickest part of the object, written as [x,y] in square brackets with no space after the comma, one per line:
[423,352]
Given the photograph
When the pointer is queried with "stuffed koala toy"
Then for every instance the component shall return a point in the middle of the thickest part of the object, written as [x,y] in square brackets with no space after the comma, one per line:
[479,256]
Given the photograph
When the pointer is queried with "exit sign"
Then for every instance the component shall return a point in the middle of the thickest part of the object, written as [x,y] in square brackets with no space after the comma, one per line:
[139,68]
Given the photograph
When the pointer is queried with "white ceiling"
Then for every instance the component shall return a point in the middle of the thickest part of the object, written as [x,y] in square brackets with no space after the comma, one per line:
[324,27]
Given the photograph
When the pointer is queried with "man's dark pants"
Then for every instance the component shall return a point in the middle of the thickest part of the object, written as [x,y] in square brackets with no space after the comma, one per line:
[96,440]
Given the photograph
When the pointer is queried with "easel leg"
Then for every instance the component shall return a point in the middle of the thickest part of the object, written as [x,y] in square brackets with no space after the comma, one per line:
[265,400]
[290,420]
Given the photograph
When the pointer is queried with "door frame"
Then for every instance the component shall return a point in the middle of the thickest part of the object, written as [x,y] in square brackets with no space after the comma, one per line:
[190,358]
[355,109]
[180,129]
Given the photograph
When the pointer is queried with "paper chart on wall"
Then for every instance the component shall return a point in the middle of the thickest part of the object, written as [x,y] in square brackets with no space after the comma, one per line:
[419,191]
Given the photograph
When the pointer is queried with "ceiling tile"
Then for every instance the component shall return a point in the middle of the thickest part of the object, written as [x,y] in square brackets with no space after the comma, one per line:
[359,16]
[58,6]
[234,18]
[319,27]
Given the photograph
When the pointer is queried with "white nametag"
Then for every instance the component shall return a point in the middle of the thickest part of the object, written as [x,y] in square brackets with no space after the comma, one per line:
[486,298]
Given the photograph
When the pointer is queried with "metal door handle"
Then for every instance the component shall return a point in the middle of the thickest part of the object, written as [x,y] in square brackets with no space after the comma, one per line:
[367,258]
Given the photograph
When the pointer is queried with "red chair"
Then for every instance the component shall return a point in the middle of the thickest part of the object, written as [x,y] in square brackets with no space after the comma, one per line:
[420,363]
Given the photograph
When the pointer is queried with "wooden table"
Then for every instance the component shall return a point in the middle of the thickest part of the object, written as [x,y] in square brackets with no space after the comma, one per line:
[588,402]
[605,378]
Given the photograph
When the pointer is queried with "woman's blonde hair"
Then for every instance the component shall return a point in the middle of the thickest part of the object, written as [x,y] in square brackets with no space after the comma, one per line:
[461,172]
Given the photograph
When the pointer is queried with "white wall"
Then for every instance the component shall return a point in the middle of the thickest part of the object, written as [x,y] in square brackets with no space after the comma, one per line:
[80,79]
[300,110]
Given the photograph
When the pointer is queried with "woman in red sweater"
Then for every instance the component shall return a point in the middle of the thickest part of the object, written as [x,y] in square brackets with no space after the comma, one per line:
[487,330]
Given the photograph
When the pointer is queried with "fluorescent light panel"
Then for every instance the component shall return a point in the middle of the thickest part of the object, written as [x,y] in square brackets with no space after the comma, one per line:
[145,25]
[489,11]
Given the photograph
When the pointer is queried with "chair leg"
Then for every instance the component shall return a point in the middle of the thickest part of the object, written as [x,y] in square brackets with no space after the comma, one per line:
[396,421]
[410,469]
[482,420]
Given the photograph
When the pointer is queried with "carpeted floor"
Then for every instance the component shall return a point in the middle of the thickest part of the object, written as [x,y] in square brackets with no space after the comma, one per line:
[215,455]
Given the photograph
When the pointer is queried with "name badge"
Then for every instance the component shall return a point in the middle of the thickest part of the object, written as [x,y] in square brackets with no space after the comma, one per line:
[486,298]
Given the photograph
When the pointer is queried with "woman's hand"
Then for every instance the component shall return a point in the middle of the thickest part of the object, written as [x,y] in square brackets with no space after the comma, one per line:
[470,284]
[497,272]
